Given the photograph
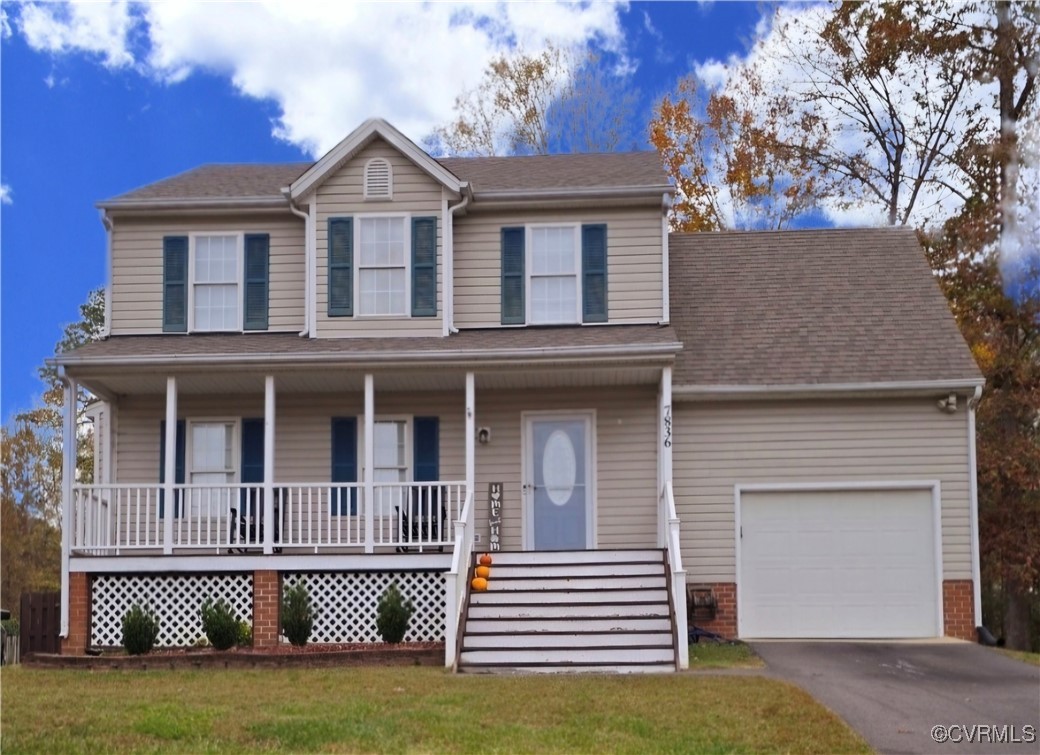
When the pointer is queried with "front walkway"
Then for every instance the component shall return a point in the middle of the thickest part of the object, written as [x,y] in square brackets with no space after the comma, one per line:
[894,693]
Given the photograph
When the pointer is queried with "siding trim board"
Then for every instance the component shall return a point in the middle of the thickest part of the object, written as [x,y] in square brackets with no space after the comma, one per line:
[932,486]
[814,390]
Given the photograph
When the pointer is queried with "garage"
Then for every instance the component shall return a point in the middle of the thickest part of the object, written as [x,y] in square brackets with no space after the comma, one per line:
[825,562]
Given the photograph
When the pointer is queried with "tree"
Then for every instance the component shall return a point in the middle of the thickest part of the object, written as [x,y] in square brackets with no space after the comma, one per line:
[30,477]
[553,101]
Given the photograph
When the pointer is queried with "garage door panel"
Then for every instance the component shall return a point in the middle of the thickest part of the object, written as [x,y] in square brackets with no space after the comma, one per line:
[838,564]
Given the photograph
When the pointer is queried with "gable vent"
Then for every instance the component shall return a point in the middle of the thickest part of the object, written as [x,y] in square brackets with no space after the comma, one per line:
[379,179]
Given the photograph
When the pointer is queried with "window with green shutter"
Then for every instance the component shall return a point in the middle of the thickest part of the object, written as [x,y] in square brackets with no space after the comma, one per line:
[513,283]
[341,267]
[175,284]
[257,280]
[594,272]
[424,267]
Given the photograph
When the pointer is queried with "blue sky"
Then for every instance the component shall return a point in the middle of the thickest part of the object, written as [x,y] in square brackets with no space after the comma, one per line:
[97,100]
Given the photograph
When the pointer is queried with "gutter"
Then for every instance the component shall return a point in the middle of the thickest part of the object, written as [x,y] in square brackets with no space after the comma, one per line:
[258,202]
[503,195]
[459,356]
[808,390]
[973,477]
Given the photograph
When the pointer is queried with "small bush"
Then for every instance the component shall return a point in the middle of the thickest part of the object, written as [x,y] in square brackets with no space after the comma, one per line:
[219,623]
[393,615]
[297,614]
[140,630]
[245,634]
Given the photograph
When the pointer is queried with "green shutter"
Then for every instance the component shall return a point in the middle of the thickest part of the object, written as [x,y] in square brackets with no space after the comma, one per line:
[344,464]
[424,267]
[594,273]
[257,281]
[178,465]
[513,253]
[341,267]
[175,284]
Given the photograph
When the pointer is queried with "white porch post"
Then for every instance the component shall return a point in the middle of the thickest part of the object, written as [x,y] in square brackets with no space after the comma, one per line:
[471,432]
[269,514]
[664,449]
[370,464]
[68,476]
[170,464]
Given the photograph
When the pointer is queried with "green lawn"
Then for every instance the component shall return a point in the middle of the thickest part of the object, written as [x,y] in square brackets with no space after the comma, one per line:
[1033,659]
[408,710]
[716,655]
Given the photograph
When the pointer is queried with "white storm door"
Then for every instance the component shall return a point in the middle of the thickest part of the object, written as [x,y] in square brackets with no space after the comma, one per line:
[557,482]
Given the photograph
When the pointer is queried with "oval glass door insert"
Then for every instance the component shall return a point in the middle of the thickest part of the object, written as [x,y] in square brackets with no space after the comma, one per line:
[559,467]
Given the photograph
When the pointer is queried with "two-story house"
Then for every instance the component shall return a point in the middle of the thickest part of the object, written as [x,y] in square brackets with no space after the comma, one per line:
[365,370]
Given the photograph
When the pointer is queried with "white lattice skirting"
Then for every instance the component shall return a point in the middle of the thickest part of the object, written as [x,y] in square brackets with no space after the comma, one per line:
[175,601]
[346,604]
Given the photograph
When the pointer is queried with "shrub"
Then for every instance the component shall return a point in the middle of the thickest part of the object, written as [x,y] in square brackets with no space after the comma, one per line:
[140,630]
[219,623]
[245,634]
[393,615]
[297,614]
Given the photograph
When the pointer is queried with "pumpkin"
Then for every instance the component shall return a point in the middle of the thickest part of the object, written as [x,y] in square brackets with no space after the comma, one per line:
[479,584]
[482,571]
[485,560]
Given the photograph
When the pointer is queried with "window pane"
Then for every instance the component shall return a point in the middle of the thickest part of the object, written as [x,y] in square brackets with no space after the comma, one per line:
[382,241]
[553,251]
[216,307]
[382,291]
[216,259]
[211,450]
[554,299]
[389,444]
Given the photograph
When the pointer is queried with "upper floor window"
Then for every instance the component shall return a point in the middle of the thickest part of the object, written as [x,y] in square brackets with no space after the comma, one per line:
[379,179]
[382,266]
[215,283]
[554,274]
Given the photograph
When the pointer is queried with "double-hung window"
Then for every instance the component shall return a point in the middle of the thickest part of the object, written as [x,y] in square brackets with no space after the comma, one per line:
[554,269]
[215,283]
[382,269]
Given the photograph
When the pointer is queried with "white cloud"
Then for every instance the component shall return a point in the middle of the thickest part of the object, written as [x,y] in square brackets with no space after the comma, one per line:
[5,194]
[98,28]
[327,65]
[712,73]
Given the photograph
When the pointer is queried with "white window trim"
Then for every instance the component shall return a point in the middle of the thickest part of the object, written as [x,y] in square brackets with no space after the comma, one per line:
[389,184]
[240,237]
[409,442]
[579,278]
[407,217]
[236,445]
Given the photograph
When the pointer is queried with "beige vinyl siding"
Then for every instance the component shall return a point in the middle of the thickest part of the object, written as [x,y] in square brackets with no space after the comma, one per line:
[137,272]
[633,262]
[626,443]
[720,445]
[342,195]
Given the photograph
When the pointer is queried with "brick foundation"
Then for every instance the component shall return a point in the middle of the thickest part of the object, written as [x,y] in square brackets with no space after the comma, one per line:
[267,600]
[79,615]
[725,621]
[959,609]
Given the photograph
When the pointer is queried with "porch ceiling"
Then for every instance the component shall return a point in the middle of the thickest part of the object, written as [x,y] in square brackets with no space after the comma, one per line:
[326,380]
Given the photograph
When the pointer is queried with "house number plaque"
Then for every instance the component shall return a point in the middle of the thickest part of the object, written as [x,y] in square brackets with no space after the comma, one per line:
[495,516]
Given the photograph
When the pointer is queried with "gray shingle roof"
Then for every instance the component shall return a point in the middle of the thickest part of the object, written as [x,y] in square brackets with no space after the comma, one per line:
[468,344]
[545,172]
[810,307]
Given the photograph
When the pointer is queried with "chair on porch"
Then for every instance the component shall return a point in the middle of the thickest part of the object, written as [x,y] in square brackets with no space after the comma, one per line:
[418,524]
[248,529]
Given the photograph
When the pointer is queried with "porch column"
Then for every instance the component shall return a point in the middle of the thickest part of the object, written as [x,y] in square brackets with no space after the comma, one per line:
[269,515]
[471,432]
[370,464]
[664,449]
[170,464]
[68,476]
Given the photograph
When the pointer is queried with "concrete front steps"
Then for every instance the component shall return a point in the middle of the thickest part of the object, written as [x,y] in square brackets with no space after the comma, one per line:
[574,611]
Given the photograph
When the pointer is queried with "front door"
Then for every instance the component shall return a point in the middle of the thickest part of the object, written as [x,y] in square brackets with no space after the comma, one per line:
[557,477]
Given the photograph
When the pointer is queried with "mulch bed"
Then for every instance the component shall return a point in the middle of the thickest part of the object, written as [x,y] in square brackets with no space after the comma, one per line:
[279,656]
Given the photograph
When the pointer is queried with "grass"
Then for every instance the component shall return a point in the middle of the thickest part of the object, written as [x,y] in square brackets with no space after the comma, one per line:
[1033,659]
[408,710]
[716,655]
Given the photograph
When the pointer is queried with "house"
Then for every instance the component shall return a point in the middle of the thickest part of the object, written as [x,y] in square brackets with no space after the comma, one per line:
[369,369]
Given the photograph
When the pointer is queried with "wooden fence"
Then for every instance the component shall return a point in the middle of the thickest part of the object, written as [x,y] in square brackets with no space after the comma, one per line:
[40,622]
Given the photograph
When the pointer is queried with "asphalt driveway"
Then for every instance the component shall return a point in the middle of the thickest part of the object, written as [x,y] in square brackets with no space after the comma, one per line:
[893,693]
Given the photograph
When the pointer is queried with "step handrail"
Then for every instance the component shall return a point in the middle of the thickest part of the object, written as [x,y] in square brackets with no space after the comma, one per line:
[677,574]
[457,582]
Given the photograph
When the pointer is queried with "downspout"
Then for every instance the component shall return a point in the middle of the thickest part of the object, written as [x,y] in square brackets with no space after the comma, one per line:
[449,259]
[666,284]
[67,472]
[107,222]
[307,244]
[976,571]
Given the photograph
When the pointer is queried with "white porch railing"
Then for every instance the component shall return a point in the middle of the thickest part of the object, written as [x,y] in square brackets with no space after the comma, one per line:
[678,574]
[112,519]
[457,580]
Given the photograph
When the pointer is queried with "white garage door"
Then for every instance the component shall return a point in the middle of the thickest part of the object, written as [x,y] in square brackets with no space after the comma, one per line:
[838,564]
